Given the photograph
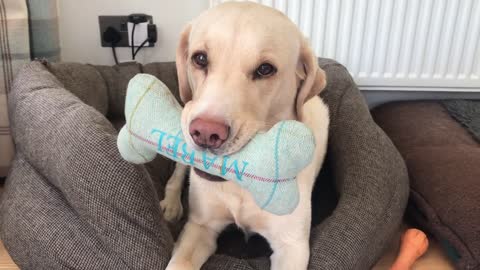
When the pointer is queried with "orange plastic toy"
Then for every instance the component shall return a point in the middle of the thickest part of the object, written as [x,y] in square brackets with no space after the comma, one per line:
[414,244]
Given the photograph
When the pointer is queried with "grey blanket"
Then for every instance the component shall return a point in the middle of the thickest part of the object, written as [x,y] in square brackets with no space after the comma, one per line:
[71,202]
[466,112]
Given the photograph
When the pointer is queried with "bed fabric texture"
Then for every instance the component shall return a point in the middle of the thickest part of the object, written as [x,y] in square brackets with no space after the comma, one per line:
[443,161]
[71,201]
[467,113]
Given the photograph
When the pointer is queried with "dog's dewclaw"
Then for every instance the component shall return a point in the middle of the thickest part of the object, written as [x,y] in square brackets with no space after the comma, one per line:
[267,166]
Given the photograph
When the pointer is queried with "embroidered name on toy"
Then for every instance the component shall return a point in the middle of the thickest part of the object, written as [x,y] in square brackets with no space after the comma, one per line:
[175,147]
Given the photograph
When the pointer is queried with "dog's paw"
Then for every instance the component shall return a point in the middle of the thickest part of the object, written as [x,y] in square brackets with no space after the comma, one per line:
[172,208]
[179,266]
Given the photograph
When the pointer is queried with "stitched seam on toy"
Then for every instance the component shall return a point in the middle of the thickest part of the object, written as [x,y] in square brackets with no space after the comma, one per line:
[216,166]
[131,118]
[274,188]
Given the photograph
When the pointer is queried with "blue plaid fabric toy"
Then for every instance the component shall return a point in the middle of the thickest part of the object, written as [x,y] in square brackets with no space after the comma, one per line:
[267,166]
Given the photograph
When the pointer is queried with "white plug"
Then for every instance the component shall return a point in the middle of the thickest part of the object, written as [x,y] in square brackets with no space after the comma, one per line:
[140,35]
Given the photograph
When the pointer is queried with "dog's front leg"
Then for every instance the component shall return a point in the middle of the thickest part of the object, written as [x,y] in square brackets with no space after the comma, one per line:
[171,204]
[195,244]
[289,252]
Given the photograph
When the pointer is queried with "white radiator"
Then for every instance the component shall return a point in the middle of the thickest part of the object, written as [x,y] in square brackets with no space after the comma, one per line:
[426,45]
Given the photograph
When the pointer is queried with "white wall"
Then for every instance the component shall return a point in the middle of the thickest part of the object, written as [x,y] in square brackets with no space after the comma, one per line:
[80,34]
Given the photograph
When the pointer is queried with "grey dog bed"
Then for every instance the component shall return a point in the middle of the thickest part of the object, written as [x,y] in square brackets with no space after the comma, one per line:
[71,202]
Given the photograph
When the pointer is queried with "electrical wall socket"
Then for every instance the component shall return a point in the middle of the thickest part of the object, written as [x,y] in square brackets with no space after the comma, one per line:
[140,34]
[120,23]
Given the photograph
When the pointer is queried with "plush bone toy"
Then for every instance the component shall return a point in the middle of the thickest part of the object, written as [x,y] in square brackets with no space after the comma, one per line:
[266,166]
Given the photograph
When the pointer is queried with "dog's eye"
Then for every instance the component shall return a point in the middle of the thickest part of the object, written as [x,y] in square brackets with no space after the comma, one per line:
[265,70]
[200,59]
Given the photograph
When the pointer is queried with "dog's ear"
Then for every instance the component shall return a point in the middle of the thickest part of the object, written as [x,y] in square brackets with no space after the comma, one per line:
[310,77]
[181,62]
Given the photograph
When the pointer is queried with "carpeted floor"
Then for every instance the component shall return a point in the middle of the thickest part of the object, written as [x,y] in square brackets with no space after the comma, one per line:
[5,260]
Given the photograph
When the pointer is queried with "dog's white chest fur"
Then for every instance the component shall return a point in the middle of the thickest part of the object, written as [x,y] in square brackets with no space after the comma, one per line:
[231,202]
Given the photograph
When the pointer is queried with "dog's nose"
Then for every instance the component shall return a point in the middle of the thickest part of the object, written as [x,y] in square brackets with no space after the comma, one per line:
[208,133]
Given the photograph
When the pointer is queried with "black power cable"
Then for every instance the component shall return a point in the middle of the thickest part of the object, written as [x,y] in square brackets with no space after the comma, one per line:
[114,55]
[135,19]
[152,38]
[133,40]
[140,47]
[112,36]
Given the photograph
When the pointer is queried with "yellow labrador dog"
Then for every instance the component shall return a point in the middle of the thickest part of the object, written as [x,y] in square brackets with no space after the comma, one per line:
[243,67]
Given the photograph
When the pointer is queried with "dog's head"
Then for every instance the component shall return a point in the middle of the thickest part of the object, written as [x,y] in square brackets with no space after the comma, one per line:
[242,67]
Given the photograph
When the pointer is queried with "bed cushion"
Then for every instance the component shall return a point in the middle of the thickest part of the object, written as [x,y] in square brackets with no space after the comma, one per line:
[84,81]
[72,202]
[443,161]
[84,212]
[116,78]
